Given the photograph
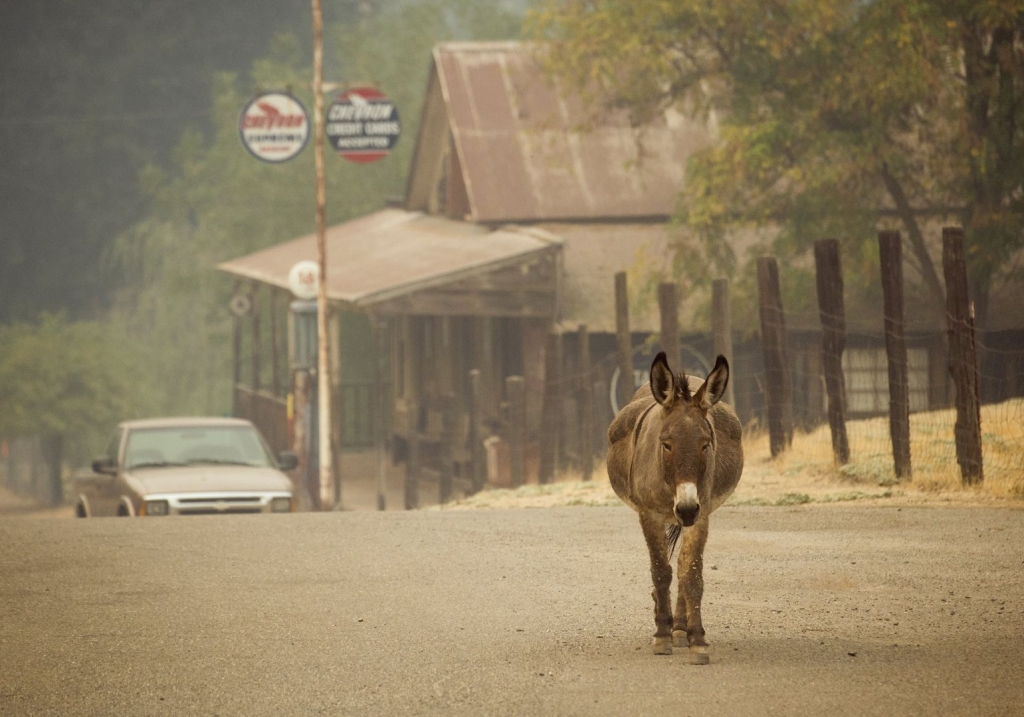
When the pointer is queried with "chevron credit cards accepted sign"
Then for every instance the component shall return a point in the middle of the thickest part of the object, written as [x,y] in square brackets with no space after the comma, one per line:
[363,125]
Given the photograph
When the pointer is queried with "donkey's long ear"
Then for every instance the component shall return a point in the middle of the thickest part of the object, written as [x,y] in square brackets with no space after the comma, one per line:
[663,382]
[714,387]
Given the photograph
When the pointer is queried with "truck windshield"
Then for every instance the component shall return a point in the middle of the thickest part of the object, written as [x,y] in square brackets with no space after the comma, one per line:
[187,445]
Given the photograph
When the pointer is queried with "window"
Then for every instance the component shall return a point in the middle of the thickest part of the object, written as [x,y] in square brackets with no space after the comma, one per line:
[867,379]
[184,445]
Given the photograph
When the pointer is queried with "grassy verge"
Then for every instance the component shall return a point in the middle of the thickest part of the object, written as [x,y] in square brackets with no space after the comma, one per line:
[806,473]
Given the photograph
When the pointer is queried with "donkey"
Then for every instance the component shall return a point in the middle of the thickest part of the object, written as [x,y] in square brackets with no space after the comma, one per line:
[676,456]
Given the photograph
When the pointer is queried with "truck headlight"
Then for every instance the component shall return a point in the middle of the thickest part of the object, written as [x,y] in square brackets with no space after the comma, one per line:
[155,507]
[281,505]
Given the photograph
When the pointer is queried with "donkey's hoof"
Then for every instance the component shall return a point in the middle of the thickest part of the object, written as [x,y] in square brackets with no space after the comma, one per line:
[662,645]
[679,638]
[698,655]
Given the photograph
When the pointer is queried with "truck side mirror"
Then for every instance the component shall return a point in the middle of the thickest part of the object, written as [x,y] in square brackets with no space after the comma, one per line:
[287,460]
[104,466]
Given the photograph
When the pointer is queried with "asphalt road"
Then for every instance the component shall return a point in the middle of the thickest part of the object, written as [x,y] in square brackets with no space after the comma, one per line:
[810,610]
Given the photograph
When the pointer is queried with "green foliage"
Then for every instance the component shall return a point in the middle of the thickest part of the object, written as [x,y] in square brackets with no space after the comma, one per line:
[835,118]
[91,94]
[63,378]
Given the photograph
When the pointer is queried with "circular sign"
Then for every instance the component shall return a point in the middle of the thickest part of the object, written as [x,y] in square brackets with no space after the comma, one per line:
[240,305]
[274,127]
[363,125]
[304,280]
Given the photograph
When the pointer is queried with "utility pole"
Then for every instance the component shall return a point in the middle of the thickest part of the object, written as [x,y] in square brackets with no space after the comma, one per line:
[323,378]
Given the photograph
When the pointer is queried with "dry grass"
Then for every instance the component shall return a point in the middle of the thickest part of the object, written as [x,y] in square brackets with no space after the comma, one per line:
[806,473]
[568,489]
[934,466]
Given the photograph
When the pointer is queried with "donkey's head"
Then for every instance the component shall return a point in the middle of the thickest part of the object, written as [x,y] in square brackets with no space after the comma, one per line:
[687,439]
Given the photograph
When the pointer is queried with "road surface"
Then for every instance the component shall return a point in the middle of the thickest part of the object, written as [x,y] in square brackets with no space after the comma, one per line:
[810,610]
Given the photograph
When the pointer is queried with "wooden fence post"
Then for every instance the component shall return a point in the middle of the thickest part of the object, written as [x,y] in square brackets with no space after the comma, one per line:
[721,330]
[412,472]
[449,420]
[476,433]
[301,427]
[236,353]
[379,406]
[829,278]
[275,340]
[515,389]
[586,405]
[778,389]
[256,338]
[624,388]
[963,358]
[668,307]
[551,409]
[890,254]
[599,429]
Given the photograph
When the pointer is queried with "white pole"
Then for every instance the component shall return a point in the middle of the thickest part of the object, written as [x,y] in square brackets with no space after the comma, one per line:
[323,365]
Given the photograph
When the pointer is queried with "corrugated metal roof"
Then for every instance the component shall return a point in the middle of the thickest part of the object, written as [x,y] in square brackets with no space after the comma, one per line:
[525,158]
[393,253]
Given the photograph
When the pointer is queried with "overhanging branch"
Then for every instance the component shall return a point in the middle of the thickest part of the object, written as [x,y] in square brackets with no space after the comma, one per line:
[917,245]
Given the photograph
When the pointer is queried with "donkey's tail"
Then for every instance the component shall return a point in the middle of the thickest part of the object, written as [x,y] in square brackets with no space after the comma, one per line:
[672,532]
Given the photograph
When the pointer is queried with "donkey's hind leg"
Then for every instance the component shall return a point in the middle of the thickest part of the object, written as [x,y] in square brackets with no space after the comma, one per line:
[661,575]
[687,622]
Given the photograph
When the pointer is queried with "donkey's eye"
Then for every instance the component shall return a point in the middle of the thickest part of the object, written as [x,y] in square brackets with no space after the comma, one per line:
[705,447]
[666,447]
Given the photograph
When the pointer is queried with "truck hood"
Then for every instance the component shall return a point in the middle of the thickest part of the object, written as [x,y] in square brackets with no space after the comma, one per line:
[211,479]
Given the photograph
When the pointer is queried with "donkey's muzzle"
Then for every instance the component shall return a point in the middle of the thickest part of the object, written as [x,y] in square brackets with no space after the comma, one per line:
[687,513]
[687,503]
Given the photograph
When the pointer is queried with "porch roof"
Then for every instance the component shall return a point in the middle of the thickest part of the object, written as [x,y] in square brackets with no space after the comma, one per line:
[393,253]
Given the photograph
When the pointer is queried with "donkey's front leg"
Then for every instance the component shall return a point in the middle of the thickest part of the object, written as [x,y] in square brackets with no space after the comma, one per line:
[687,620]
[661,574]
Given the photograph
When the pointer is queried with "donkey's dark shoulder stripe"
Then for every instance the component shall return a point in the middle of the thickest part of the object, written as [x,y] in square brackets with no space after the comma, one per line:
[640,422]
[626,419]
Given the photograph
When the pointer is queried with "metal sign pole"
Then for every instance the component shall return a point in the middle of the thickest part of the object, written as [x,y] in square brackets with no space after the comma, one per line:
[323,366]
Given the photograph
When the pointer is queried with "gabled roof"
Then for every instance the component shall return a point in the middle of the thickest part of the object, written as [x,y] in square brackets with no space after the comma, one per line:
[393,253]
[525,152]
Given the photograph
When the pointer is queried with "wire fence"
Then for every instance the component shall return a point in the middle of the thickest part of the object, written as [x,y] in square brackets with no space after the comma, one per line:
[933,418]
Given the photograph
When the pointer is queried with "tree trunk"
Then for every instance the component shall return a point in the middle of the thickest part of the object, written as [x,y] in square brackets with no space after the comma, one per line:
[917,243]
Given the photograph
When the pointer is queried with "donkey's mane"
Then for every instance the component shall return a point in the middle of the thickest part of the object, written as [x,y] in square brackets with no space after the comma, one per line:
[683,387]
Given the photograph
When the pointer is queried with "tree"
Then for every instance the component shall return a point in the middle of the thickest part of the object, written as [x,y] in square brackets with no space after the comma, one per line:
[59,380]
[92,93]
[834,117]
